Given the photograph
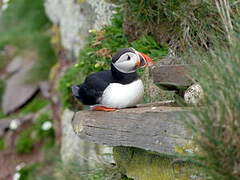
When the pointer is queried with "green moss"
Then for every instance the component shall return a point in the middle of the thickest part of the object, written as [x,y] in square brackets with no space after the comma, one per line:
[96,55]
[35,105]
[29,172]
[34,135]
[25,26]
[2,144]
[142,165]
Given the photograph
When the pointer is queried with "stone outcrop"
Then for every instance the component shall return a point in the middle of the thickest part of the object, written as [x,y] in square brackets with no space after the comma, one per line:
[76,150]
[75,19]
[17,91]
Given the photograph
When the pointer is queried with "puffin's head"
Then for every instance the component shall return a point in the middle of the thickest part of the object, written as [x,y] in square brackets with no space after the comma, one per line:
[127,60]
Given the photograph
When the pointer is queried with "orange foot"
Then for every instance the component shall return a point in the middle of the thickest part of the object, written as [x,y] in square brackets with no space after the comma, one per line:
[103,108]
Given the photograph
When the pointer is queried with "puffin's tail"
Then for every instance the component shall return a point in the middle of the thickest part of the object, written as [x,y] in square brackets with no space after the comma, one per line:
[75,90]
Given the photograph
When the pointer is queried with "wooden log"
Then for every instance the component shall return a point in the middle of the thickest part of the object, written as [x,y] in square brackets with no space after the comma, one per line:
[158,129]
[171,77]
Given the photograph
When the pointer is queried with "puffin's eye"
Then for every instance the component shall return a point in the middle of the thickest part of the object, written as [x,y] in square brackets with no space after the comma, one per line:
[128,58]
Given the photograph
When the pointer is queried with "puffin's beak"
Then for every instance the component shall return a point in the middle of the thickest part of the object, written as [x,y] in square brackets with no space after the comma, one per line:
[144,60]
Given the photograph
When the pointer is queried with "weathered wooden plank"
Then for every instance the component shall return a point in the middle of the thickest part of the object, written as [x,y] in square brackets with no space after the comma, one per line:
[171,76]
[157,129]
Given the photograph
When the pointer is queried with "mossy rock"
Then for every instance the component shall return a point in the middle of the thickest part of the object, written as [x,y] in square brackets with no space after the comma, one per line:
[143,165]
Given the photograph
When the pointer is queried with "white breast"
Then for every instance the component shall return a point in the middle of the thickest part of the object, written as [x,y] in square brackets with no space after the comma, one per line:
[121,96]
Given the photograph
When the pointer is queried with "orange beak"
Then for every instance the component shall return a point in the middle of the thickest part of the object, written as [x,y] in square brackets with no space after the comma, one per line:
[144,60]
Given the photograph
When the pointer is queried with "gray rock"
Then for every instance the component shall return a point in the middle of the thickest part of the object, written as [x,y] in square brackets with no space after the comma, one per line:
[74,149]
[4,125]
[75,19]
[17,91]
[15,65]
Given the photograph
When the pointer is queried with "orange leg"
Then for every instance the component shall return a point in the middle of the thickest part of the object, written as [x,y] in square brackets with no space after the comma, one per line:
[103,108]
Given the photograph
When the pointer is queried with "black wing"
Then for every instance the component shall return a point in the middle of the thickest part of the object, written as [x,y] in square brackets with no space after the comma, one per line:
[92,89]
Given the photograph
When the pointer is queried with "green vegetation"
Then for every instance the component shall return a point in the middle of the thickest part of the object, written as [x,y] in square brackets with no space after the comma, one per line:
[28,172]
[25,26]
[24,141]
[208,29]
[145,165]
[2,115]
[36,134]
[219,123]
[35,105]
[96,55]
[186,23]
[217,129]
[1,144]
[2,86]
[3,61]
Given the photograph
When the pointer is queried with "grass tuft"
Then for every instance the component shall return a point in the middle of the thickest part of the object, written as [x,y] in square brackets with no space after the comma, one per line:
[218,122]
[181,23]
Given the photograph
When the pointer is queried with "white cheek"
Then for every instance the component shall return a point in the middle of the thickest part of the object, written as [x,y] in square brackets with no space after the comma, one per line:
[126,66]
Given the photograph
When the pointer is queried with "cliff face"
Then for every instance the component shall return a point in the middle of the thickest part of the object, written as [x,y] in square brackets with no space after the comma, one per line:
[75,19]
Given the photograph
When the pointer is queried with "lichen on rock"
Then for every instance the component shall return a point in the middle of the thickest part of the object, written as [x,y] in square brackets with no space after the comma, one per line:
[143,165]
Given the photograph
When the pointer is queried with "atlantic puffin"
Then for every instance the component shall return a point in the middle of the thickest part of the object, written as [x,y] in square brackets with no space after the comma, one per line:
[119,87]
